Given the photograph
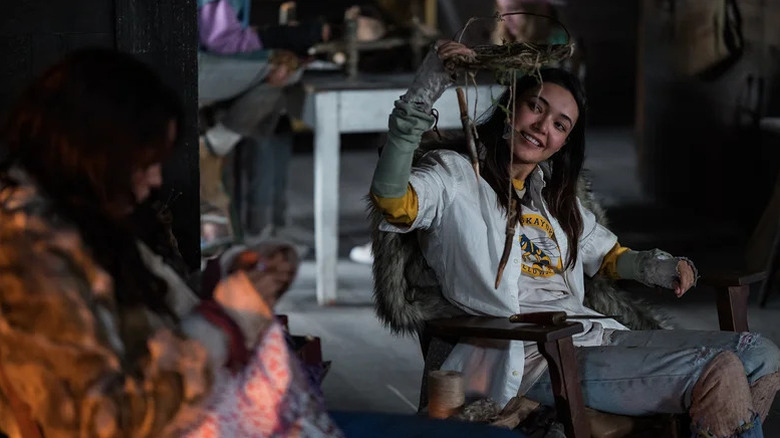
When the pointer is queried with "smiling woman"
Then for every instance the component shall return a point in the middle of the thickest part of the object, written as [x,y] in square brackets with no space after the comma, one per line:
[532,149]
[543,121]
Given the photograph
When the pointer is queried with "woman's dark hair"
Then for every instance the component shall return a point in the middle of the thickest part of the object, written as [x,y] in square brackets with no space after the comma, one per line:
[560,192]
[80,131]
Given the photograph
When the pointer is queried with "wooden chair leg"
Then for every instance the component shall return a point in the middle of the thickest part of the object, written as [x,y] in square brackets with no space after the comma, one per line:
[566,386]
[732,308]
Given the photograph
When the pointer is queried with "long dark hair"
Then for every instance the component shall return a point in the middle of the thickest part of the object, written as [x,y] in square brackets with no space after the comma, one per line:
[80,131]
[560,192]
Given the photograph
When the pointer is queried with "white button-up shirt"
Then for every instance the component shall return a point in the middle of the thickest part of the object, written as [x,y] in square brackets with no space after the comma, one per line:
[462,232]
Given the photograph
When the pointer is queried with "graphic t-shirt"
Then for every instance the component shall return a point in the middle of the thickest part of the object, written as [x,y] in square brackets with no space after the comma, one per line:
[542,282]
[541,263]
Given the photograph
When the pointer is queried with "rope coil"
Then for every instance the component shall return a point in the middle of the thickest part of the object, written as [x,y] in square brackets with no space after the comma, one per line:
[446,393]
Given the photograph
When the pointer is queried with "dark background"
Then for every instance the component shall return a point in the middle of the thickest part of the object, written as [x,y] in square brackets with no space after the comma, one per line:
[36,33]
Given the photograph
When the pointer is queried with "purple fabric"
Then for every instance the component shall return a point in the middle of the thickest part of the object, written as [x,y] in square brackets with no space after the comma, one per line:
[221,32]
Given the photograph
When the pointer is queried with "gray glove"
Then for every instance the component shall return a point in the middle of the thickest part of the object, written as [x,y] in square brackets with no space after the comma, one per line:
[652,268]
[429,83]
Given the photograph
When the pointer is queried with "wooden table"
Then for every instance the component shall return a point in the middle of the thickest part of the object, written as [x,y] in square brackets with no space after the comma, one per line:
[334,105]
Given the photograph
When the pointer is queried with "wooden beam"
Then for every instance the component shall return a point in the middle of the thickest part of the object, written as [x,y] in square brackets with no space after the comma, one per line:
[165,34]
[431,14]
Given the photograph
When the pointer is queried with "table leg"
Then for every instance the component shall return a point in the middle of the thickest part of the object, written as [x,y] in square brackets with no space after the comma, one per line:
[327,144]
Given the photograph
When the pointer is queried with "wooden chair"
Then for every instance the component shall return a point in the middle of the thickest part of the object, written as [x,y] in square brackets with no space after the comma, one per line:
[733,291]
[555,344]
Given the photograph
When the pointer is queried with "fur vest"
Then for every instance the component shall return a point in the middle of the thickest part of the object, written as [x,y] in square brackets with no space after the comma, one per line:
[407,292]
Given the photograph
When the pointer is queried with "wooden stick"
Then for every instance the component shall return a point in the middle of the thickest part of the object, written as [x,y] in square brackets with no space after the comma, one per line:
[469,130]
[511,220]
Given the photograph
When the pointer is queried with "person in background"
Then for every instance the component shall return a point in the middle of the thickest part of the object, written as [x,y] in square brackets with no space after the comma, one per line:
[537,29]
[529,28]
[244,74]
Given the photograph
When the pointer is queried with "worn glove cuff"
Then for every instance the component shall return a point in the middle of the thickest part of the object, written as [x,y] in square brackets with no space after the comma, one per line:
[429,83]
[652,268]
[406,127]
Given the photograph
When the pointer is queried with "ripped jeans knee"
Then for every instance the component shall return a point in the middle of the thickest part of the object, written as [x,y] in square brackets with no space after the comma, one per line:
[721,402]
[759,355]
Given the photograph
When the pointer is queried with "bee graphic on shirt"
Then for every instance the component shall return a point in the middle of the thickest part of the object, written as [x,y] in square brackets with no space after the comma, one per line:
[537,252]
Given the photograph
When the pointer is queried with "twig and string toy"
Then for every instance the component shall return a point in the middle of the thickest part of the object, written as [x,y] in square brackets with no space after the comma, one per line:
[509,58]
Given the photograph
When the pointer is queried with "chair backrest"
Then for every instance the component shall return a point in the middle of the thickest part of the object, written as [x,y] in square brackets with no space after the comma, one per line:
[407,292]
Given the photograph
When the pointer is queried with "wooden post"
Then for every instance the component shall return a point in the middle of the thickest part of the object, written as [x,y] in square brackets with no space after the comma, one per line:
[165,35]
[732,308]
[565,380]
[431,14]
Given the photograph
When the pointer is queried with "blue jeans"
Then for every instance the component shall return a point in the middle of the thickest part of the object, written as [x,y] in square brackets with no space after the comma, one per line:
[254,110]
[266,167]
[650,372]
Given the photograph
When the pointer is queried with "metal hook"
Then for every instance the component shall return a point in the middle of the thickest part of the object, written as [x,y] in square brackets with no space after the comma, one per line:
[435,114]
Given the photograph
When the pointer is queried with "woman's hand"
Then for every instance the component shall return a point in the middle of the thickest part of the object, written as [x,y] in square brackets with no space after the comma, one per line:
[270,269]
[256,278]
[254,282]
[447,50]
[432,77]
[658,268]
[686,278]
[283,65]
[273,274]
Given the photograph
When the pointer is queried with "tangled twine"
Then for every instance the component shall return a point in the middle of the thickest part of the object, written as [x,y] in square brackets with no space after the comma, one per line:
[525,57]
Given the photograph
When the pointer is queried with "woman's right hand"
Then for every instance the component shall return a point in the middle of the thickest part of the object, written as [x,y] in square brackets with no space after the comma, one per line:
[284,64]
[447,49]
[269,268]
[432,77]
[255,280]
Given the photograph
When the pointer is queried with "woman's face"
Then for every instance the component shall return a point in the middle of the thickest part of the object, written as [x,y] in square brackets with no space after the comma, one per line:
[148,178]
[145,180]
[544,117]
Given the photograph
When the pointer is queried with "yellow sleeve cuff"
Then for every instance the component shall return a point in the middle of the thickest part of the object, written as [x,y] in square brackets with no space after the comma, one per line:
[399,211]
[609,264]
